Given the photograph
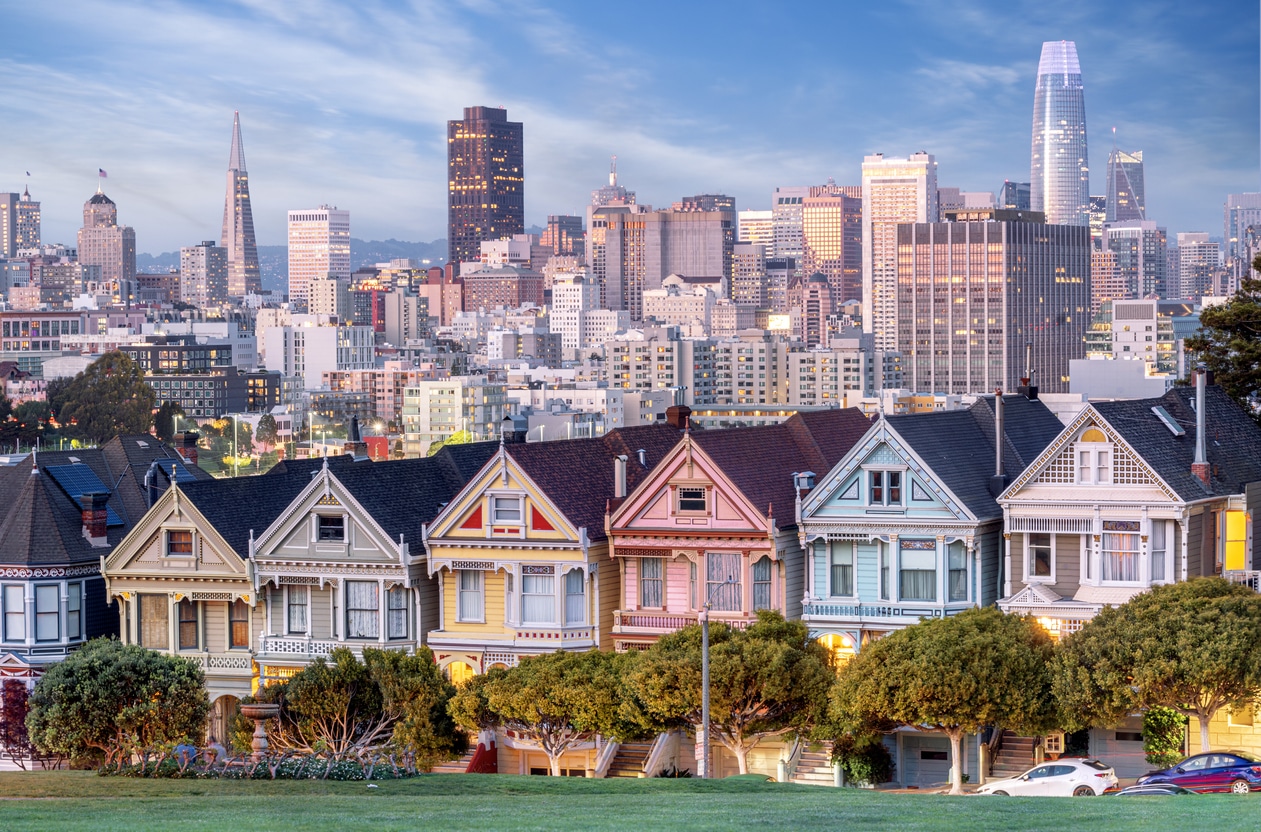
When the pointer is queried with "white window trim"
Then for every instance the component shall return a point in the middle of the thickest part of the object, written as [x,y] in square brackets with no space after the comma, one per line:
[74,588]
[58,610]
[517,496]
[865,486]
[26,623]
[1171,529]
[1093,448]
[704,487]
[853,568]
[166,542]
[1030,578]
[481,590]
[309,598]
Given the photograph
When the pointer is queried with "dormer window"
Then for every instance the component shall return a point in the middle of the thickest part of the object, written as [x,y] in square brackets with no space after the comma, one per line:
[505,509]
[884,488]
[1094,458]
[692,499]
[332,528]
[179,544]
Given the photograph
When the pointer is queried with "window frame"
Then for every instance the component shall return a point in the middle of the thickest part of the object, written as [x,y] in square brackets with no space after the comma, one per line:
[734,591]
[691,497]
[962,549]
[375,609]
[833,549]
[234,622]
[902,568]
[656,581]
[550,595]
[880,490]
[581,576]
[510,503]
[74,594]
[323,533]
[43,615]
[1135,556]
[189,606]
[478,592]
[396,601]
[172,551]
[761,585]
[291,593]
[1030,554]
[165,606]
[1091,452]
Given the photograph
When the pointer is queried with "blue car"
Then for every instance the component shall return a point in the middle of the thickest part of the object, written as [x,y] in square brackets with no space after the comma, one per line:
[1215,771]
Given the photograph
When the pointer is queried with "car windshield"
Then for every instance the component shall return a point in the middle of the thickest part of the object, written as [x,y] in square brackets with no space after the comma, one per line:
[1095,764]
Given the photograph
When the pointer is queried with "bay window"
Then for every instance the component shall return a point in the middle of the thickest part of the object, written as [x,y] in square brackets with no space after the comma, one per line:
[885,555]
[1159,549]
[363,607]
[842,569]
[957,574]
[917,578]
[154,614]
[14,600]
[1040,555]
[74,610]
[1121,550]
[187,625]
[538,595]
[47,612]
[575,597]
[470,601]
[719,568]
[238,625]
[650,589]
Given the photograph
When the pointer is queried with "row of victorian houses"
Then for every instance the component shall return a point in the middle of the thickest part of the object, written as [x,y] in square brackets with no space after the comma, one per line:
[489,552]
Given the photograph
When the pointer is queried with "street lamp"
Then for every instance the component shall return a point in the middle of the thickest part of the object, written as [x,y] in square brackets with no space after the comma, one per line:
[706,774]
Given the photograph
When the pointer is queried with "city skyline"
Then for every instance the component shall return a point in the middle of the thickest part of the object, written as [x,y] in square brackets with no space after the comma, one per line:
[332,122]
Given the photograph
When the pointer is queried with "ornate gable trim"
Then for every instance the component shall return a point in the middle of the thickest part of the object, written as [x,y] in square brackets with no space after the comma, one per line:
[331,492]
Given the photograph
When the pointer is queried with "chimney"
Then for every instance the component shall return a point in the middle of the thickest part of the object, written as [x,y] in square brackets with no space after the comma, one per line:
[1026,387]
[1200,466]
[999,481]
[803,482]
[151,483]
[619,476]
[186,445]
[355,446]
[677,415]
[95,518]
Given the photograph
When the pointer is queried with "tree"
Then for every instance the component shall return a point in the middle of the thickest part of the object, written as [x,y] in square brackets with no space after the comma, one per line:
[164,420]
[1190,646]
[766,681]
[1229,342]
[557,700]
[15,741]
[956,675]
[460,437]
[268,431]
[342,707]
[109,398]
[108,700]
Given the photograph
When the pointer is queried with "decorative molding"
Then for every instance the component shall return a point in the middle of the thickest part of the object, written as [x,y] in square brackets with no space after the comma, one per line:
[49,571]
[327,500]
[537,569]
[299,580]
[210,596]
[483,565]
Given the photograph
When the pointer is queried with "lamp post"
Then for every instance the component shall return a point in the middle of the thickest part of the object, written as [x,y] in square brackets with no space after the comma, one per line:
[706,773]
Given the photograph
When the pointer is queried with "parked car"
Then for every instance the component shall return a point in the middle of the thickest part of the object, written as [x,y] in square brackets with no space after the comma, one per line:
[1153,789]
[1076,777]
[1215,771]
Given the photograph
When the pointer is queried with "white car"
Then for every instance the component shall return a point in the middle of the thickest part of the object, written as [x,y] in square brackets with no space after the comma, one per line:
[1075,777]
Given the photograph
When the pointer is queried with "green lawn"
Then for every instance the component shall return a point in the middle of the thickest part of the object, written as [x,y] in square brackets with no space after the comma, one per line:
[78,800]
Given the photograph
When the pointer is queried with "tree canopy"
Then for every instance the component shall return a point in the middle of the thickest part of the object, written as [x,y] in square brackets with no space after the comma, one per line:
[1229,342]
[109,700]
[768,680]
[557,700]
[957,675]
[109,398]
[1190,646]
[343,708]
[164,420]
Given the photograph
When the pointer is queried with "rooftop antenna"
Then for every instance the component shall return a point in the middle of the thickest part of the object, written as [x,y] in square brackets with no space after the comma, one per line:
[613,172]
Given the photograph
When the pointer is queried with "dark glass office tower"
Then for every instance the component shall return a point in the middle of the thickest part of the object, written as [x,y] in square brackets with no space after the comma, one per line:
[485,181]
[1059,183]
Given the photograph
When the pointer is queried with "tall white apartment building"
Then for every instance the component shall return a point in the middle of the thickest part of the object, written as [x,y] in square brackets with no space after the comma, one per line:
[319,245]
[574,296]
[1198,261]
[895,190]
[307,350]
[433,411]
[204,274]
[786,221]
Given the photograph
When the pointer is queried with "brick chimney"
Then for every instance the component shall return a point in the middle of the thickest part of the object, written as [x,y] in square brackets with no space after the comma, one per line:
[355,446]
[95,518]
[678,415]
[186,445]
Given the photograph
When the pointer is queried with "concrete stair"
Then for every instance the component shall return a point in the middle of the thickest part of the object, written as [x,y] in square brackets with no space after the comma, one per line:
[1014,758]
[814,768]
[457,766]
[629,759]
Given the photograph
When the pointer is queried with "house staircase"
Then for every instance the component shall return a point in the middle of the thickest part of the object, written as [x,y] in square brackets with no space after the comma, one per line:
[457,766]
[629,760]
[1014,758]
[814,767]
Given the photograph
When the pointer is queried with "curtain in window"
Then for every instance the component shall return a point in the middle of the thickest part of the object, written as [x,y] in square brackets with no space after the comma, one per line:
[1120,556]
[762,584]
[154,622]
[720,567]
[14,613]
[1158,550]
[362,610]
[396,616]
[47,612]
[239,624]
[650,582]
[470,595]
[538,599]
[842,568]
[297,609]
[575,597]
[957,578]
[918,575]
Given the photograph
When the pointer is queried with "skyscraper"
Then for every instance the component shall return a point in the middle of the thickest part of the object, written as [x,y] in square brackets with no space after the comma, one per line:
[19,223]
[786,218]
[895,191]
[105,243]
[1014,196]
[1198,262]
[1241,229]
[1060,171]
[1142,258]
[238,223]
[1126,196]
[485,181]
[319,245]
[203,275]
[832,239]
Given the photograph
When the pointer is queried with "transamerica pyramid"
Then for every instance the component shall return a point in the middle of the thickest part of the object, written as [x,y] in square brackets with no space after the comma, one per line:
[238,223]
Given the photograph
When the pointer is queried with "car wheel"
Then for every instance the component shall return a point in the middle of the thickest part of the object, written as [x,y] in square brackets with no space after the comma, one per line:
[1000,793]
[1083,791]
[1240,787]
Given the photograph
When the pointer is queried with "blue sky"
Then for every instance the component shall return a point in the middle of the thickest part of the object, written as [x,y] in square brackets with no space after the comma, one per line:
[346,102]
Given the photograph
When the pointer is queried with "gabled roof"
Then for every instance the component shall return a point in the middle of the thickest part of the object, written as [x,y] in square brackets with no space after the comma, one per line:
[576,475]
[1232,446]
[40,524]
[958,445]
[760,461]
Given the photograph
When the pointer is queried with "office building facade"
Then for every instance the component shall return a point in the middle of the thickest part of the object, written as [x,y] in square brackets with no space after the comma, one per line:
[1059,173]
[103,242]
[485,181]
[19,223]
[1127,195]
[1142,257]
[319,246]
[204,275]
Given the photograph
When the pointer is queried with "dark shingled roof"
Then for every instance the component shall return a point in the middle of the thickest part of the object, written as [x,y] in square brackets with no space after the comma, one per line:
[577,474]
[958,445]
[1232,440]
[41,525]
[760,461]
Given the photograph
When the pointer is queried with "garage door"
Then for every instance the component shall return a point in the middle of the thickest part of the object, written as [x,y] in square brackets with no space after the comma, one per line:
[925,760]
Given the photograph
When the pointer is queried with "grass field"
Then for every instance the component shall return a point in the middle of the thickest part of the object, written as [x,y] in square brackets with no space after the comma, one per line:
[79,800]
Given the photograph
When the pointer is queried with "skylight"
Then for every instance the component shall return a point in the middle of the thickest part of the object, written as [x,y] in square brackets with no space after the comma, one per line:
[1168,421]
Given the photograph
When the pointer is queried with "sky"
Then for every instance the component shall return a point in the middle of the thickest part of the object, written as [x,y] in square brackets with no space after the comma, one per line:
[346,103]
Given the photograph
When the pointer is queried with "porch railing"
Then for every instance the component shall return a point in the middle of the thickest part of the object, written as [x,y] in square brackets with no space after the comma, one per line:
[1250,578]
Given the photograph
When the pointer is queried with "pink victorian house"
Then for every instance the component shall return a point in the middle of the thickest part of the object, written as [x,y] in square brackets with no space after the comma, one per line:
[715,520]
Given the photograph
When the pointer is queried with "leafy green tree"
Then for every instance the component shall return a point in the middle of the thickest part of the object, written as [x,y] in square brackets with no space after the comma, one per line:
[557,700]
[109,398]
[766,681]
[460,437]
[1190,646]
[1229,343]
[108,700]
[1164,729]
[342,707]
[956,675]
[164,420]
[268,432]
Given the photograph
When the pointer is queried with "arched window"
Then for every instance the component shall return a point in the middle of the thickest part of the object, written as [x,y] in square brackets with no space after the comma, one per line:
[840,648]
[459,672]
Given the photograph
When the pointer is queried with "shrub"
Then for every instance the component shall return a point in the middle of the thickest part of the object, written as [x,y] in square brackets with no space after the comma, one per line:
[864,758]
[1164,731]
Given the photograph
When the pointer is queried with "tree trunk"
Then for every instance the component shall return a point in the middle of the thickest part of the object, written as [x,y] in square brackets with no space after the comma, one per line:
[554,761]
[956,761]
[742,757]
[1203,718]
